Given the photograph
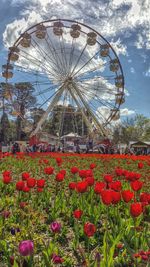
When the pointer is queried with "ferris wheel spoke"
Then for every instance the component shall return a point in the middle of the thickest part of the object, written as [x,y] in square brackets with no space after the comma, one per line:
[63,53]
[71,54]
[58,60]
[85,103]
[78,60]
[81,108]
[94,108]
[98,89]
[55,99]
[48,89]
[38,64]
[99,99]
[53,55]
[91,70]
[45,63]
[45,56]
[85,64]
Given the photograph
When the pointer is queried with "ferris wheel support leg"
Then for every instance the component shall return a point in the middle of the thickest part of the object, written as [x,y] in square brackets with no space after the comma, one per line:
[50,107]
[83,114]
[101,130]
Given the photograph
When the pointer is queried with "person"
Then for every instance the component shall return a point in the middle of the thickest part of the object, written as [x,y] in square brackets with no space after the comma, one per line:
[15,148]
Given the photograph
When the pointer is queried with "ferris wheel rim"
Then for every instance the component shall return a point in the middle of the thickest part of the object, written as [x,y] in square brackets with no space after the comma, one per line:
[17,43]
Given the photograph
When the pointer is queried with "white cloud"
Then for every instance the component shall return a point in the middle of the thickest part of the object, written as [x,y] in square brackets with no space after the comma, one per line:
[119,47]
[126,112]
[110,18]
[132,70]
[147,73]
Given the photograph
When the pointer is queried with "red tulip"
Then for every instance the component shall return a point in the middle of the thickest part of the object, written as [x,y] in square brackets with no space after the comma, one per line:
[74,170]
[145,197]
[26,189]
[59,161]
[90,180]
[63,172]
[31,182]
[82,173]
[7,179]
[108,178]
[81,187]
[99,186]
[116,197]
[140,165]
[20,185]
[72,185]
[92,166]
[40,183]
[89,173]
[106,196]
[136,209]
[39,189]
[115,185]
[136,185]
[60,177]
[6,173]
[89,229]
[49,170]
[25,176]
[127,195]
[77,214]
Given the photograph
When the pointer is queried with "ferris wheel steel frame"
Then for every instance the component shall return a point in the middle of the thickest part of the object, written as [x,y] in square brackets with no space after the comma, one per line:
[59,70]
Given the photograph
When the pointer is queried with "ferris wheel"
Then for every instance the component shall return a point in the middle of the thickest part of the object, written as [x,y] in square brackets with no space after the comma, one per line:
[67,63]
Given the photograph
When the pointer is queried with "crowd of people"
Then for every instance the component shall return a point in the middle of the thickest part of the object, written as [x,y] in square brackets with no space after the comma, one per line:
[88,147]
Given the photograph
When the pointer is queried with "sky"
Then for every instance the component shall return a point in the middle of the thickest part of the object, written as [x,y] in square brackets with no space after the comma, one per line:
[125,24]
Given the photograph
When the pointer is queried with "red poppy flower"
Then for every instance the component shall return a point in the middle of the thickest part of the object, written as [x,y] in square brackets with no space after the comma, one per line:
[106,196]
[31,182]
[72,185]
[99,186]
[108,178]
[116,197]
[40,183]
[92,166]
[25,176]
[81,187]
[74,170]
[20,185]
[60,177]
[90,180]
[136,185]
[127,195]
[89,229]
[77,214]
[49,170]
[136,209]
[7,179]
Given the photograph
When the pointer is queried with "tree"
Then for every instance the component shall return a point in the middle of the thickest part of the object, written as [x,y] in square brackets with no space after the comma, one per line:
[134,129]
[4,133]
[24,100]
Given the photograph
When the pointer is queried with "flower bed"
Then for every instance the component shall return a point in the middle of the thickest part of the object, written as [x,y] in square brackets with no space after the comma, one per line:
[74,210]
